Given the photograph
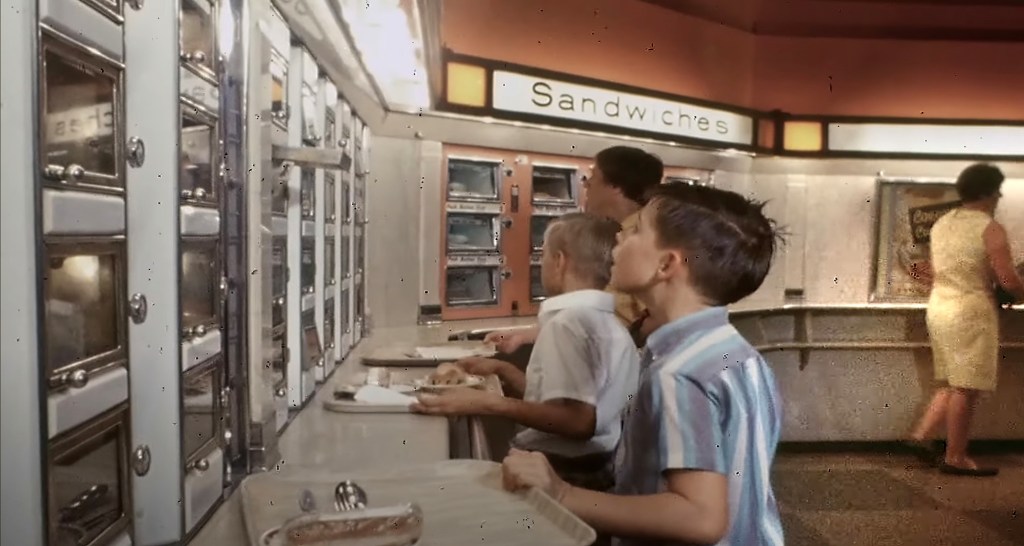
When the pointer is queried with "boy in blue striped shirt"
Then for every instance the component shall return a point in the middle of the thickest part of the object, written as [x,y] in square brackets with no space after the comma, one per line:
[703,426]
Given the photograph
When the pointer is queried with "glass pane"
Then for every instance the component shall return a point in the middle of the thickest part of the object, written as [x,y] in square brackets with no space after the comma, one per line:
[87,490]
[279,195]
[346,202]
[311,344]
[471,232]
[552,184]
[200,283]
[329,321]
[538,225]
[346,257]
[80,119]
[279,259]
[536,284]
[277,366]
[279,83]
[473,178]
[308,192]
[329,253]
[81,307]
[201,398]
[308,113]
[470,286]
[196,151]
[308,262]
[329,128]
[331,204]
[197,32]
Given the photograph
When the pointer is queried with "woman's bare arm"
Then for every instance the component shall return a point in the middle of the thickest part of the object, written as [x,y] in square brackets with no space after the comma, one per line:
[997,245]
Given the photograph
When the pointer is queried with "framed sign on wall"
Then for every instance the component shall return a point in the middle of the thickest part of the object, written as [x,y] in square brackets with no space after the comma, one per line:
[907,209]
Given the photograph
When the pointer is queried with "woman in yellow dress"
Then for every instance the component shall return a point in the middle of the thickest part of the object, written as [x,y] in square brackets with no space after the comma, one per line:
[969,250]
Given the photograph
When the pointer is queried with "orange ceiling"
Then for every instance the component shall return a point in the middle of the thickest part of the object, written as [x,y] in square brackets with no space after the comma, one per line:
[966,20]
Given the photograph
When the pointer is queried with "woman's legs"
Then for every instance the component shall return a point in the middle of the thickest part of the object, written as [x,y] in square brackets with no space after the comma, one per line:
[934,415]
[960,410]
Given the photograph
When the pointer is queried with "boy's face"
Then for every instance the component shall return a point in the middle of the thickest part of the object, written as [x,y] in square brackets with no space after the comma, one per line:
[599,193]
[637,258]
[552,268]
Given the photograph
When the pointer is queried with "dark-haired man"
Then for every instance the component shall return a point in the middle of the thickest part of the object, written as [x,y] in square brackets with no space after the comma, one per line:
[619,181]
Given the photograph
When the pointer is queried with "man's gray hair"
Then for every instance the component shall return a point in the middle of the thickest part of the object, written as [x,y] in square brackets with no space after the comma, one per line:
[587,241]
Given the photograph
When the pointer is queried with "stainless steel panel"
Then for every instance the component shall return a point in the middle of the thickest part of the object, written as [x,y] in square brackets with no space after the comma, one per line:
[87,24]
[201,294]
[200,179]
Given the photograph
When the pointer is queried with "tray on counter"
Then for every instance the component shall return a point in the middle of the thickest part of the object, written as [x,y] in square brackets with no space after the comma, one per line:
[462,502]
[406,356]
[491,383]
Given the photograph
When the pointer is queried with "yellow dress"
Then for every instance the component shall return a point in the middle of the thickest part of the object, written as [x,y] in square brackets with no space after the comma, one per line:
[963,323]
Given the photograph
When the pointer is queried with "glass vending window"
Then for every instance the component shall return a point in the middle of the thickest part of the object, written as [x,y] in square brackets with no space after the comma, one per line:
[329,264]
[198,145]
[278,89]
[308,192]
[308,262]
[683,180]
[279,259]
[198,35]
[329,323]
[110,8]
[200,286]
[537,291]
[346,201]
[473,179]
[471,286]
[345,311]
[89,482]
[538,225]
[279,191]
[331,203]
[553,184]
[81,117]
[278,362]
[310,343]
[83,289]
[346,118]
[346,258]
[330,137]
[309,133]
[472,232]
[201,403]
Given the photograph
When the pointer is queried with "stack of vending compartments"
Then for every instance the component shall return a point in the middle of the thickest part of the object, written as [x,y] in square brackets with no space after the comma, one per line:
[554,192]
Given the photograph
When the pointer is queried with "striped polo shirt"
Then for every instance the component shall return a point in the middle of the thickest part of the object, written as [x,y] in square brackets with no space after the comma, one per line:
[706,401]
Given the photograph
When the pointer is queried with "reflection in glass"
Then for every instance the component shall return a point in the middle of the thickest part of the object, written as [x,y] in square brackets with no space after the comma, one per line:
[329,321]
[201,403]
[196,151]
[331,204]
[472,179]
[79,117]
[536,284]
[200,284]
[197,32]
[471,286]
[551,184]
[278,89]
[279,194]
[86,488]
[81,308]
[472,232]
[308,271]
[308,192]
[538,225]
[329,128]
[329,265]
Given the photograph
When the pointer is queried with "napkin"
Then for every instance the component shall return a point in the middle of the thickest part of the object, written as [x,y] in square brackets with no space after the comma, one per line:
[372,394]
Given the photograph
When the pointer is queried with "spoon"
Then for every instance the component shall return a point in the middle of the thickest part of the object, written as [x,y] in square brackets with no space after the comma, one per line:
[349,496]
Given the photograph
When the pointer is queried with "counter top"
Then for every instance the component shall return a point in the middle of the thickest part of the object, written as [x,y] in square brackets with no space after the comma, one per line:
[331,441]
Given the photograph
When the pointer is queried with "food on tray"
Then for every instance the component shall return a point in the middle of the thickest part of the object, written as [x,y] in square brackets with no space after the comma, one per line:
[447,374]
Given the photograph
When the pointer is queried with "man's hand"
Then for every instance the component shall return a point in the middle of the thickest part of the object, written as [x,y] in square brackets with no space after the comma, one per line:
[459,401]
[525,469]
[478,365]
[508,341]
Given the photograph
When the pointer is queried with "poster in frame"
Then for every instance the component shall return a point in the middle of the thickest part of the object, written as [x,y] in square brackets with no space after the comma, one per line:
[906,211]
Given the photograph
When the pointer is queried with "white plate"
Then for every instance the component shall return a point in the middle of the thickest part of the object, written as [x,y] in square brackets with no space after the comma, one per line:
[471,381]
[450,352]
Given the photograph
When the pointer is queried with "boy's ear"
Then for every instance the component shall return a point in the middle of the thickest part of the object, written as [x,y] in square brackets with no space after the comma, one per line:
[672,263]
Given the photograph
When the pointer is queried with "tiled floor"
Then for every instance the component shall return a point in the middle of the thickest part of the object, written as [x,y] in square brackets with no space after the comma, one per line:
[882,499]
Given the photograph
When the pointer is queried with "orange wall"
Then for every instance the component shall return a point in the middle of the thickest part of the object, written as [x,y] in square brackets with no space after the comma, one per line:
[640,44]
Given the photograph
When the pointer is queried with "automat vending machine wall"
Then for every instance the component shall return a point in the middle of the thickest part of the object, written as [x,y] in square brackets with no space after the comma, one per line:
[361,322]
[497,204]
[327,311]
[346,200]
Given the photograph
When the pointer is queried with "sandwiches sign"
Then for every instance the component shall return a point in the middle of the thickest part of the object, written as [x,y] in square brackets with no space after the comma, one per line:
[546,97]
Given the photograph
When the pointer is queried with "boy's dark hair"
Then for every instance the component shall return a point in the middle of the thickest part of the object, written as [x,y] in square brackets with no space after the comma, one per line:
[979,181]
[726,239]
[587,240]
[632,170]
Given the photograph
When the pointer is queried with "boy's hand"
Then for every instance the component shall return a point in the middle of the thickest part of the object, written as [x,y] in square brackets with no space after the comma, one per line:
[525,469]
[507,341]
[460,401]
[478,365]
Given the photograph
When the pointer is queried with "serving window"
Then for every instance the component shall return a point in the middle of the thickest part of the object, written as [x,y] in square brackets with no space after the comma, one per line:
[473,232]
[279,89]
[81,117]
[474,179]
[83,292]
[90,490]
[330,268]
[279,261]
[199,147]
[331,202]
[346,312]
[279,190]
[538,226]
[346,202]
[202,407]
[199,37]
[309,132]
[554,184]
[200,286]
[330,129]
[346,256]
[472,286]
[308,192]
[537,292]
[279,360]
[308,269]
[329,323]
[311,349]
